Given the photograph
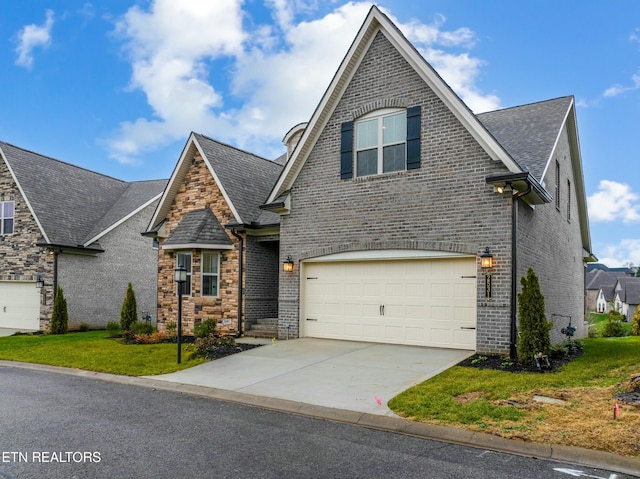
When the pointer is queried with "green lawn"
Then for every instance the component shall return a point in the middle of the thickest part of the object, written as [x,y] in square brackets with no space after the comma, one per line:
[95,351]
[502,403]
[597,322]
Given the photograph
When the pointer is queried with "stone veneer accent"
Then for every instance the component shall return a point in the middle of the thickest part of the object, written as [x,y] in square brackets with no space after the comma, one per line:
[198,190]
[20,258]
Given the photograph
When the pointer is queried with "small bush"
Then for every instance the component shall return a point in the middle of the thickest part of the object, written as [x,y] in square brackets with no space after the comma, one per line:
[635,323]
[613,328]
[153,338]
[205,328]
[171,327]
[113,329]
[83,328]
[139,327]
[60,315]
[128,313]
[205,347]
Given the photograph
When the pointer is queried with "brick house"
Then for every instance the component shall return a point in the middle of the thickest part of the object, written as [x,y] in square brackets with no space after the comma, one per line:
[209,221]
[396,191]
[68,226]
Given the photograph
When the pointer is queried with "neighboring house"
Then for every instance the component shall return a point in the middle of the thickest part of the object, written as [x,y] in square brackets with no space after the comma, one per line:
[68,226]
[600,281]
[396,190]
[627,296]
[209,221]
[605,298]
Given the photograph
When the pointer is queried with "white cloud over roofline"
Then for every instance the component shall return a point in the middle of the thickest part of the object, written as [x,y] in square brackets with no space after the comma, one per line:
[614,201]
[278,71]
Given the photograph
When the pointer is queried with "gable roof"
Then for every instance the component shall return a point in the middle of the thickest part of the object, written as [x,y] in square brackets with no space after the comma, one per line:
[598,278]
[244,179]
[198,229]
[377,22]
[523,138]
[628,289]
[74,206]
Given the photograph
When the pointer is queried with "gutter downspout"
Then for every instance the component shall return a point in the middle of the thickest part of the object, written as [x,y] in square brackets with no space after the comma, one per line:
[513,336]
[240,273]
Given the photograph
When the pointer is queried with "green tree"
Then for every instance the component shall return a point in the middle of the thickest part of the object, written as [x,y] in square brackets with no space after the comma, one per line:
[129,311]
[60,315]
[534,327]
[613,327]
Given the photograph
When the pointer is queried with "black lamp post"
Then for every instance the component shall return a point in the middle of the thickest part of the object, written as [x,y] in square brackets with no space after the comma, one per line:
[180,276]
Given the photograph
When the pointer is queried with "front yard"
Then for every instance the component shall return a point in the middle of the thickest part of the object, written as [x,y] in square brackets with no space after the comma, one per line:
[95,351]
[502,403]
[486,400]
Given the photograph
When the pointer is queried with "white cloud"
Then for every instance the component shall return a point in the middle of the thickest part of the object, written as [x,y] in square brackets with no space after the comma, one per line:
[614,202]
[278,71]
[32,36]
[618,89]
[624,253]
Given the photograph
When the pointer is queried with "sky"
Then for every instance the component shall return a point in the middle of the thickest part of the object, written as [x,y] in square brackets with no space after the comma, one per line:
[117,86]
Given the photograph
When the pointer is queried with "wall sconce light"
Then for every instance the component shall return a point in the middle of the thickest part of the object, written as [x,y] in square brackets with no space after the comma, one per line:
[39,282]
[486,259]
[287,265]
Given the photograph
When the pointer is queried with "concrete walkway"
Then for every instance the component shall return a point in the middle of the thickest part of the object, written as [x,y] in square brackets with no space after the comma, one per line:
[345,375]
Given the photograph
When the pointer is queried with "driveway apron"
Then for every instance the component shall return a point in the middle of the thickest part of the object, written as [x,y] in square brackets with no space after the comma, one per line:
[346,375]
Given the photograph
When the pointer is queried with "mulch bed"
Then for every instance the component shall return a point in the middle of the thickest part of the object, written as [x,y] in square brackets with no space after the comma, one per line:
[223,350]
[503,363]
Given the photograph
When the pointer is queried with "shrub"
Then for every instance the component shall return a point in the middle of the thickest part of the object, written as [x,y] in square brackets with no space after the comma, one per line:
[60,315]
[534,327]
[128,313]
[206,346]
[113,329]
[83,328]
[635,324]
[140,327]
[153,338]
[205,328]
[613,327]
[171,327]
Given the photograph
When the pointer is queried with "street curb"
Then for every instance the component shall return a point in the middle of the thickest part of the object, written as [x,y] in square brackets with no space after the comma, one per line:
[573,455]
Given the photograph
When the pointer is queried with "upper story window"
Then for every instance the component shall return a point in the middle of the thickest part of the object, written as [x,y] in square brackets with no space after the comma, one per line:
[7,215]
[210,276]
[381,142]
[184,259]
[385,140]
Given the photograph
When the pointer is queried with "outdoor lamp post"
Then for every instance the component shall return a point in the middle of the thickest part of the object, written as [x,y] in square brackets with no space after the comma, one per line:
[180,276]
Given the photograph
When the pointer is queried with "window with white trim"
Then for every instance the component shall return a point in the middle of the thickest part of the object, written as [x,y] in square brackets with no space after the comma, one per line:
[184,259]
[7,215]
[381,142]
[210,266]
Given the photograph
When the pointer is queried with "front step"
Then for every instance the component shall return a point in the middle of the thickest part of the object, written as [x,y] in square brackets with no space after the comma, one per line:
[263,328]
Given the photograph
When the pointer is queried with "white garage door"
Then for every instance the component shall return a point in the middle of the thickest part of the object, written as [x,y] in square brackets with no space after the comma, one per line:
[426,302]
[19,305]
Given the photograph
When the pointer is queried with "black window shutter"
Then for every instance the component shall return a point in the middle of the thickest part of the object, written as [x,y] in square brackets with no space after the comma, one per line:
[413,137]
[346,150]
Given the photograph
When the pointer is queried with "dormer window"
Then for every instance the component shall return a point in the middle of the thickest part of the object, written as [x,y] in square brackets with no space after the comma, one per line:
[381,142]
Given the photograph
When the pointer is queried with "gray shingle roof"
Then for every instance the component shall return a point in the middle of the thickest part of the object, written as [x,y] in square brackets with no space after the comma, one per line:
[599,278]
[528,132]
[198,227]
[246,178]
[71,203]
[630,289]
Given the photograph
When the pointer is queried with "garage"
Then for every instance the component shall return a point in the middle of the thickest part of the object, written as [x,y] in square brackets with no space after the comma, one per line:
[414,301]
[19,305]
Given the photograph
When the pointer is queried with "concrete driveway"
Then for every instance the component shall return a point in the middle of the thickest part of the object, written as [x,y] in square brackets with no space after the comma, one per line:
[339,374]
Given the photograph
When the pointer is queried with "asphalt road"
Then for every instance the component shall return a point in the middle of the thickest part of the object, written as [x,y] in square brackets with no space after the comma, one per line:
[61,426]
